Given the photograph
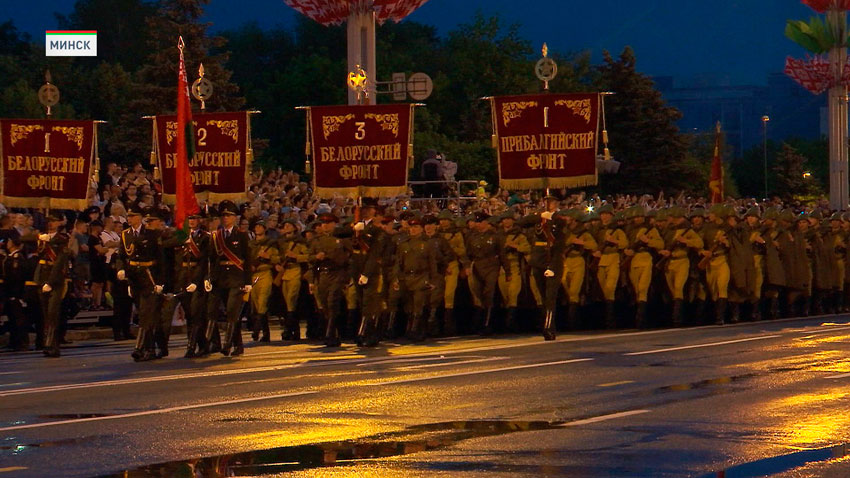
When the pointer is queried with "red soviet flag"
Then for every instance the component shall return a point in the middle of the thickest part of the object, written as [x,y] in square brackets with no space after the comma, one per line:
[715,185]
[186,203]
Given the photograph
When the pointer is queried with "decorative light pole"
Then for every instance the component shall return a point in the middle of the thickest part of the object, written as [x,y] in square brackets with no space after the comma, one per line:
[764,120]
[819,74]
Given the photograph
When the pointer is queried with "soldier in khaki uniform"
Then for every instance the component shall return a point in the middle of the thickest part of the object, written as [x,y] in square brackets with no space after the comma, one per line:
[366,275]
[839,248]
[573,245]
[679,240]
[515,247]
[752,228]
[454,236]
[415,265]
[265,257]
[484,258]
[611,240]
[715,261]
[774,271]
[293,255]
[644,240]
[445,255]
[329,255]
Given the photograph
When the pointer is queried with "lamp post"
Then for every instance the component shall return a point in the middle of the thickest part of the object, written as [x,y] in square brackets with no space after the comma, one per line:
[764,120]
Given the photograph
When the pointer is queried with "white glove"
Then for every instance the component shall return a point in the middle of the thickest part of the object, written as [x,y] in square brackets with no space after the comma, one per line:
[359,226]
[46,288]
[44,237]
[363,280]
[129,291]
[207,285]
[121,275]
[247,288]
[549,273]
[191,288]
[22,302]
[546,215]
[157,289]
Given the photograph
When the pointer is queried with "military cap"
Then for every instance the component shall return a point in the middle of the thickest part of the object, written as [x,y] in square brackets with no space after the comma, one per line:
[697,212]
[550,197]
[196,215]
[369,202]
[846,216]
[480,216]
[506,215]
[461,222]
[662,214]
[802,216]
[134,211]
[654,213]
[752,212]
[676,211]
[605,208]
[228,208]
[342,232]
[260,223]
[816,214]
[619,216]
[771,213]
[152,213]
[494,220]
[406,215]
[430,219]
[836,216]
[445,214]
[53,217]
[787,215]
[591,216]
[212,211]
[327,217]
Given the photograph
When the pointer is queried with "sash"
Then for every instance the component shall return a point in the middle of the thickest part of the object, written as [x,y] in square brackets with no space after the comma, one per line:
[221,249]
[193,247]
[51,254]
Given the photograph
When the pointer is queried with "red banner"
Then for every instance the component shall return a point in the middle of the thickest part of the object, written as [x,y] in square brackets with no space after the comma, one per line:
[222,163]
[361,150]
[546,141]
[46,163]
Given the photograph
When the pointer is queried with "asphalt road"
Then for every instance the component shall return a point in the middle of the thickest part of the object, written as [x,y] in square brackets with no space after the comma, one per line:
[751,399]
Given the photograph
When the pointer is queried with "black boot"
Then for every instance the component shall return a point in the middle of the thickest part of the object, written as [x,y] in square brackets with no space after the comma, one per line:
[390,332]
[756,314]
[212,339]
[227,340]
[449,325]
[735,315]
[266,337]
[51,342]
[676,313]
[511,325]
[362,332]
[807,302]
[192,344]
[719,312]
[370,335]
[415,332]
[572,317]
[352,324]
[640,315]
[161,340]
[773,308]
[610,318]
[432,323]
[256,327]
[331,334]
[699,311]
[283,321]
[486,326]
[549,325]
[238,347]
[139,349]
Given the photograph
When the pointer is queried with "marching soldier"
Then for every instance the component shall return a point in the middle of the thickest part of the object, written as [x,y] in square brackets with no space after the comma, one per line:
[454,236]
[52,278]
[415,266]
[515,247]
[139,263]
[192,268]
[774,272]
[680,240]
[741,265]
[230,276]
[484,258]
[839,247]
[573,244]
[293,256]
[644,241]
[329,256]
[367,277]
[265,257]
[444,254]
[752,228]
[166,299]
[612,240]
[541,238]
[15,271]
[715,261]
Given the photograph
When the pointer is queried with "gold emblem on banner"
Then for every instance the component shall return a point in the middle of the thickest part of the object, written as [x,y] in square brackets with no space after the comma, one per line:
[331,124]
[21,131]
[227,128]
[73,133]
[388,122]
[580,107]
[514,109]
[170,131]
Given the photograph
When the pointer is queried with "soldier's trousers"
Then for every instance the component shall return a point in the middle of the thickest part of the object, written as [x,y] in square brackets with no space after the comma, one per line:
[329,290]
[482,282]
[676,275]
[759,268]
[608,275]
[572,278]
[839,279]
[19,337]
[640,275]
[195,308]
[437,295]
[537,284]
[232,299]
[261,291]
[413,287]
[290,289]
[51,310]
[371,303]
[510,290]
[352,296]
[717,277]
[451,278]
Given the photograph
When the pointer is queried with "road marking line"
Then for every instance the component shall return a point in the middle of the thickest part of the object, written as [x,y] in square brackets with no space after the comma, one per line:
[841,375]
[614,384]
[12,468]
[9,373]
[686,347]
[402,360]
[826,331]
[448,364]
[158,411]
[602,418]
[477,372]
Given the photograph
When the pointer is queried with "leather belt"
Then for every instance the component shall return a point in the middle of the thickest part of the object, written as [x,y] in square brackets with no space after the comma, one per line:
[190,264]
[142,263]
[30,282]
[42,261]
[541,244]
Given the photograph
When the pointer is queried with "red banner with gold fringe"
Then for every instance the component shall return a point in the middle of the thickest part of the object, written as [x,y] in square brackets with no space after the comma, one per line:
[546,141]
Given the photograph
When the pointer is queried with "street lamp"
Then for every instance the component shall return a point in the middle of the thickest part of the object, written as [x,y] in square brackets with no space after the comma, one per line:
[764,120]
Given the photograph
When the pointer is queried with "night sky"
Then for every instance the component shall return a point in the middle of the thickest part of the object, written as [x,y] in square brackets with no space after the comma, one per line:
[741,40]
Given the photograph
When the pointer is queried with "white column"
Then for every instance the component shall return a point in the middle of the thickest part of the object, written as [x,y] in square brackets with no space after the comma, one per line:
[361,47]
[839,196]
